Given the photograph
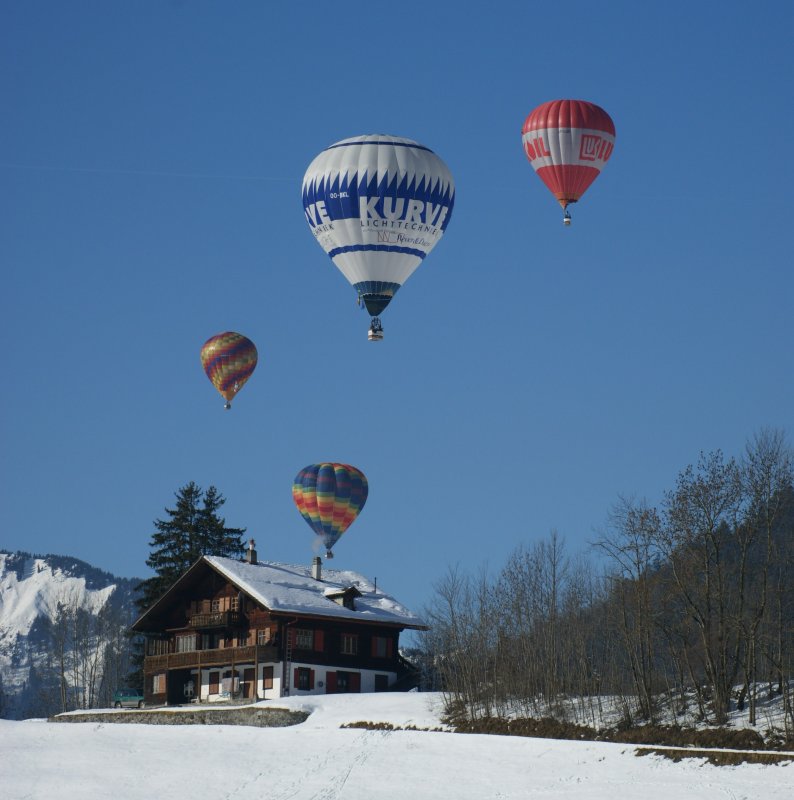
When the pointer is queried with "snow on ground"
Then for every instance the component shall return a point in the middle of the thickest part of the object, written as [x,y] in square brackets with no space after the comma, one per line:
[319,761]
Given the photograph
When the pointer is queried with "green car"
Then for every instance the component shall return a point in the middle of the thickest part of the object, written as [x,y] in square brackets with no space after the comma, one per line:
[127,698]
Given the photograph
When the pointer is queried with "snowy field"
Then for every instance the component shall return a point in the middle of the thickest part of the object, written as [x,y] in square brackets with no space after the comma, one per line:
[318,760]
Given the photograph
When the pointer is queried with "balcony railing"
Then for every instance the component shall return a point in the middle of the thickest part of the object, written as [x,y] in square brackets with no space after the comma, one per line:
[219,657]
[216,619]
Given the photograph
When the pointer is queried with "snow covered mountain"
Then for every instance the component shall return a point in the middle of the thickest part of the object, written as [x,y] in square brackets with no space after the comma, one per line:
[61,632]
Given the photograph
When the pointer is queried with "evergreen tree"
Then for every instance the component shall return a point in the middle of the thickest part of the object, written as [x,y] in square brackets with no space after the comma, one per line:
[192,529]
[218,539]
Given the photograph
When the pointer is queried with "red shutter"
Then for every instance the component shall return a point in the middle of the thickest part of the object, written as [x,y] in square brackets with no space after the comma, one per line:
[330,682]
[355,682]
[389,647]
[295,682]
[318,641]
[374,647]
[311,679]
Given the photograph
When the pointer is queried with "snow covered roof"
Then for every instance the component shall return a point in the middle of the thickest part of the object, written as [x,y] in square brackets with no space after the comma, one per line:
[291,589]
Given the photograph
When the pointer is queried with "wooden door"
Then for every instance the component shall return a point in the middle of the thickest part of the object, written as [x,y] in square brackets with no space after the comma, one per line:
[249,676]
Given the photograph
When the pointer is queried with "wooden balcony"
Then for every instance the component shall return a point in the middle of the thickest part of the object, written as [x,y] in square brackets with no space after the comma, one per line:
[216,619]
[220,657]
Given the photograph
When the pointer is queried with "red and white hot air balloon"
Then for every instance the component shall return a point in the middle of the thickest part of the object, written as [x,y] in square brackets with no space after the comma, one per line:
[568,142]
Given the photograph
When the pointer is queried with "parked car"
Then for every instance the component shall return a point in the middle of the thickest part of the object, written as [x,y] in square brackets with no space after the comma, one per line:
[127,698]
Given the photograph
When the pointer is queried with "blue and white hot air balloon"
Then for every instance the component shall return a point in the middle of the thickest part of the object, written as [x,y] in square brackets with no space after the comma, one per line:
[377,205]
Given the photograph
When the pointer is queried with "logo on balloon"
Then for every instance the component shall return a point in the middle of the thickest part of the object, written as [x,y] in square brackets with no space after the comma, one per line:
[593,148]
[536,148]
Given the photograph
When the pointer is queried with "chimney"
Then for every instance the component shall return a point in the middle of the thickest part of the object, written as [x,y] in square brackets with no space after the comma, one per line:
[250,553]
[317,568]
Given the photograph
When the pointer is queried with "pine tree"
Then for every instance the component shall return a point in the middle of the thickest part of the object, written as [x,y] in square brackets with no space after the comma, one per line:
[218,539]
[193,529]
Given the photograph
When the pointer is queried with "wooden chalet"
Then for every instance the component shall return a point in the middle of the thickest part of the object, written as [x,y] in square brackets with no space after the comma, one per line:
[260,630]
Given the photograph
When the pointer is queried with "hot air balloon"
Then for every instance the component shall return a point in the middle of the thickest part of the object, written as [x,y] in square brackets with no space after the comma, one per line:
[568,142]
[329,497]
[229,360]
[377,205]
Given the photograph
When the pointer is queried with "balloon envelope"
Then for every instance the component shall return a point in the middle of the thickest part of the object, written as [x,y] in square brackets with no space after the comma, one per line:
[229,359]
[568,142]
[377,205]
[329,497]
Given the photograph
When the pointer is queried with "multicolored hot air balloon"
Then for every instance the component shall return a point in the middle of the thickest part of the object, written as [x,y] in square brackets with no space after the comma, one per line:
[329,497]
[377,205]
[229,359]
[568,142]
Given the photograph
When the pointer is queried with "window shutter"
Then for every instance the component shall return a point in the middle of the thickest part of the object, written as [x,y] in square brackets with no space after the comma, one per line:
[330,682]
[319,641]
[374,647]
[355,682]
[389,647]
[311,679]
[296,679]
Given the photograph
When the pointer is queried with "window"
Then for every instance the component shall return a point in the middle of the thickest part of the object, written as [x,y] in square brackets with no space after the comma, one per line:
[156,647]
[267,677]
[349,644]
[158,683]
[216,605]
[242,638]
[381,647]
[304,639]
[230,683]
[263,636]
[347,682]
[236,603]
[304,679]
[381,683]
[186,643]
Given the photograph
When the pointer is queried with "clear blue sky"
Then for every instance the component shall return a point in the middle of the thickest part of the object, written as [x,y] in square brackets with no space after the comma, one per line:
[151,158]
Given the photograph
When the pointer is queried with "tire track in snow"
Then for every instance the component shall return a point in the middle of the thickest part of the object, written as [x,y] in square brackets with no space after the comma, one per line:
[335,767]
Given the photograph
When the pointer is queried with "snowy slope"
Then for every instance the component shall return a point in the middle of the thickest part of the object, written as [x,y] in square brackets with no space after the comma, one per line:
[31,589]
[318,760]
[38,592]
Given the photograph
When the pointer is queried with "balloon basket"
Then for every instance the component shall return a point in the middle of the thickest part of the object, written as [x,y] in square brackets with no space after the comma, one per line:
[375,333]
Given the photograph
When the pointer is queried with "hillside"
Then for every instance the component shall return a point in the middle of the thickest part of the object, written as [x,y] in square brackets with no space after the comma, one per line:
[319,759]
[58,615]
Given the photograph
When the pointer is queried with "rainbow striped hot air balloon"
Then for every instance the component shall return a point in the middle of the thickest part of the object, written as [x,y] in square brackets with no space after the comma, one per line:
[229,359]
[329,497]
